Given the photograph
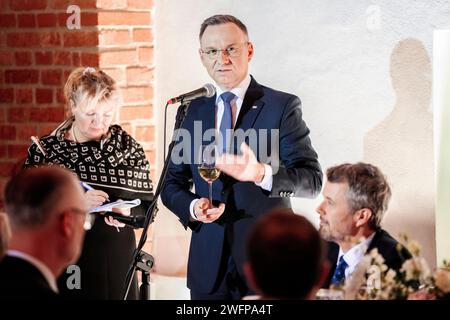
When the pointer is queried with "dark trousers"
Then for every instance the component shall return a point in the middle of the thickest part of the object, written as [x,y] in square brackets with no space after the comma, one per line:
[230,285]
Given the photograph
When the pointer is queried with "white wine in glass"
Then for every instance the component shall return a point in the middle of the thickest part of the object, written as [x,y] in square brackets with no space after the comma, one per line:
[207,168]
[209,174]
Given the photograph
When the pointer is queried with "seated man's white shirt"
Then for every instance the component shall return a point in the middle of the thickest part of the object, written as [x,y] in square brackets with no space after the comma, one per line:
[353,256]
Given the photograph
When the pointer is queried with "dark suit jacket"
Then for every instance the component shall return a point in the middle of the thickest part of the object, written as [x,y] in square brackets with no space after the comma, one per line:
[299,175]
[21,280]
[387,247]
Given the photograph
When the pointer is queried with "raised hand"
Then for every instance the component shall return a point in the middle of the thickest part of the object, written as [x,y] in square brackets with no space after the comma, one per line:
[243,167]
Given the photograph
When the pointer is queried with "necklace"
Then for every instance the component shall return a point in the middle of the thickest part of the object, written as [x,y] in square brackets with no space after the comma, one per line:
[73,133]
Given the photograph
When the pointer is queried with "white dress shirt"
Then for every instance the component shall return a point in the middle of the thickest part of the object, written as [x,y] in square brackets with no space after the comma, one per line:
[45,271]
[353,256]
[239,91]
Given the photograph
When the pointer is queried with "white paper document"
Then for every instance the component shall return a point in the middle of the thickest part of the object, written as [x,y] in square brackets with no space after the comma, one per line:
[119,204]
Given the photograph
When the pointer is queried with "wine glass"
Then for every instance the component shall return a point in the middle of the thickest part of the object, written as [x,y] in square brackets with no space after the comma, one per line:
[207,167]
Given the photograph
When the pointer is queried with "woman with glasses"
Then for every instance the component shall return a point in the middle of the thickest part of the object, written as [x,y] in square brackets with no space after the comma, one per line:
[113,166]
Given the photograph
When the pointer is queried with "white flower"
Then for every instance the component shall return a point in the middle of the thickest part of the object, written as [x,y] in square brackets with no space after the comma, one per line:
[442,280]
[376,256]
[373,280]
[414,247]
[390,276]
[409,268]
[357,279]
[379,259]
[374,253]
[425,270]
[416,269]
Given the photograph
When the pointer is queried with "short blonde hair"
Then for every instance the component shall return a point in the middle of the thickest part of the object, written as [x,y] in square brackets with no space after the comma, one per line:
[90,85]
[5,233]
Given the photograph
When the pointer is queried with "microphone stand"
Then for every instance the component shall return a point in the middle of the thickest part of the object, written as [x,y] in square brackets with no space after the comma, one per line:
[141,260]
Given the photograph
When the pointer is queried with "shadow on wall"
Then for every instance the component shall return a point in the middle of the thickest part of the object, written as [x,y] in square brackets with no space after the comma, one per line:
[402,146]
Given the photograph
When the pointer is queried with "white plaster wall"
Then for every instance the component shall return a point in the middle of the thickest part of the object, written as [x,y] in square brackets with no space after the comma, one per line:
[441,104]
[351,63]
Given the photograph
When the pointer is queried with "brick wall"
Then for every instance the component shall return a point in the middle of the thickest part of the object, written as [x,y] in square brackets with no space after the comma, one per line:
[126,53]
[38,51]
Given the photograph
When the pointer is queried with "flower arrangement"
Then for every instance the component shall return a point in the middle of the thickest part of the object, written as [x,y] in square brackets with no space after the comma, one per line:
[372,280]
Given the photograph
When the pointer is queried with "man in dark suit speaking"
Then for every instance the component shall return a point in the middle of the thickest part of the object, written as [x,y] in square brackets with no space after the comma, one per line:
[47,211]
[356,196]
[249,184]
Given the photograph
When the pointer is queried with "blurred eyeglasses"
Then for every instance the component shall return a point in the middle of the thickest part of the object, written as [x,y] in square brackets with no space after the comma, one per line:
[89,218]
[234,50]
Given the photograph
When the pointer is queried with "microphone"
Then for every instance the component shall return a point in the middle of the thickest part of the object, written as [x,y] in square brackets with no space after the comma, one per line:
[208,90]
[132,221]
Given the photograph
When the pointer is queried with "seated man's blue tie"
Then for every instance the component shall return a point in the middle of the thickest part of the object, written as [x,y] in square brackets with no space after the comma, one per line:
[339,273]
[227,121]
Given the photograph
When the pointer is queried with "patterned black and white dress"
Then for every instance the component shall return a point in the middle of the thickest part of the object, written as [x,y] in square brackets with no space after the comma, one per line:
[118,166]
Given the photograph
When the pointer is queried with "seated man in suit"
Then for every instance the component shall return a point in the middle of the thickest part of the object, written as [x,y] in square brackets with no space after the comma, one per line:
[356,196]
[286,257]
[47,213]
[5,233]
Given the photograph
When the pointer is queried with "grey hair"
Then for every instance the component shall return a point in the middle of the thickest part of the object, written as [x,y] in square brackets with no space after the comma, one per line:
[367,188]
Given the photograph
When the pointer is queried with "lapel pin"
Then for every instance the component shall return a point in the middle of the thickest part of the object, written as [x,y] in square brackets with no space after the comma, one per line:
[254,107]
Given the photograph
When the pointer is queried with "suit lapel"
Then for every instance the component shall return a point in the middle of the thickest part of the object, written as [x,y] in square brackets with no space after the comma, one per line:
[203,112]
[332,255]
[251,106]
[207,114]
